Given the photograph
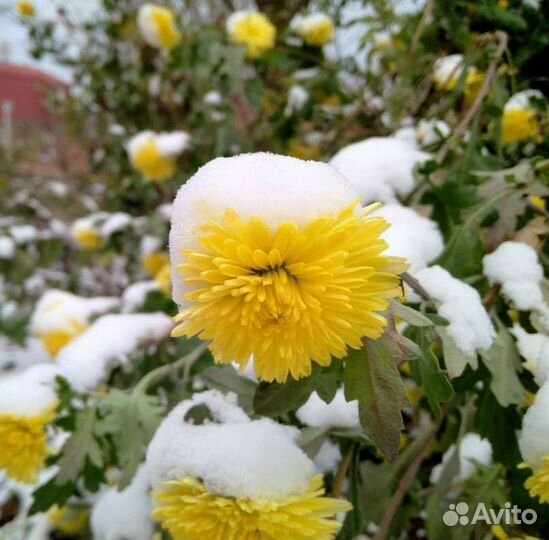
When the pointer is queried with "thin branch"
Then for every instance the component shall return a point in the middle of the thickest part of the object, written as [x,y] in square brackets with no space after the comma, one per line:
[163,371]
[406,481]
[427,12]
[341,474]
[414,284]
[470,114]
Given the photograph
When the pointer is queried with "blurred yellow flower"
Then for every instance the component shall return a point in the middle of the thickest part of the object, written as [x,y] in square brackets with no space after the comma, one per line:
[87,237]
[538,201]
[289,296]
[55,340]
[500,534]
[154,262]
[302,151]
[315,30]
[190,512]
[163,279]
[69,520]
[252,29]
[24,445]
[157,26]
[520,120]
[151,164]
[154,155]
[26,9]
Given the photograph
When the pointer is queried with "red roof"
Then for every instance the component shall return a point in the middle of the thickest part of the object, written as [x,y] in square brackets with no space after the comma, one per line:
[26,87]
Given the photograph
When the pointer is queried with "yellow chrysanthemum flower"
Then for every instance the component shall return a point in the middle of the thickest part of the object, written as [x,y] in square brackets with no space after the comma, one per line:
[303,151]
[26,9]
[447,72]
[315,30]
[157,26]
[70,520]
[87,238]
[538,483]
[520,120]
[519,125]
[538,201]
[55,340]
[24,445]
[189,512]
[154,154]
[151,164]
[289,295]
[253,30]
[290,290]
[164,279]
[154,262]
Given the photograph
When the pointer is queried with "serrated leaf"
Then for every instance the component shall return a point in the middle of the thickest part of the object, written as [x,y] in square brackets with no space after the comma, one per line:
[455,359]
[81,445]
[428,375]
[49,494]
[503,362]
[131,420]
[372,378]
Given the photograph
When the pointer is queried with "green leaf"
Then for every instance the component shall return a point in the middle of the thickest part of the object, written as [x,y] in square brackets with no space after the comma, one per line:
[427,372]
[49,494]
[503,362]
[462,256]
[80,446]
[456,361]
[227,379]
[131,420]
[372,378]
[408,314]
[275,399]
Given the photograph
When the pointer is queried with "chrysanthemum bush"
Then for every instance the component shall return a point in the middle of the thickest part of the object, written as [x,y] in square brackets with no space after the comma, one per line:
[299,295]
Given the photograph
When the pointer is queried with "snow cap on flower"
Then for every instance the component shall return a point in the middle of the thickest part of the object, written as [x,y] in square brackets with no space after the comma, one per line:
[339,413]
[448,70]
[154,154]
[534,445]
[416,238]
[515,266]
[60,316]
[257,268]
[27,403]
[316,29]
[124,514]
[470,326]
[153,257]
[473,450]
[87,361]
[232,477]
[253,30]
[297,98]
[520,119]
[86,233]
[157,26]
[380,168]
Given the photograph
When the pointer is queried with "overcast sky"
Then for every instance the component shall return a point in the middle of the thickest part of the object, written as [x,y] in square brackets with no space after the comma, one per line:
[14,43]
[13,36]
